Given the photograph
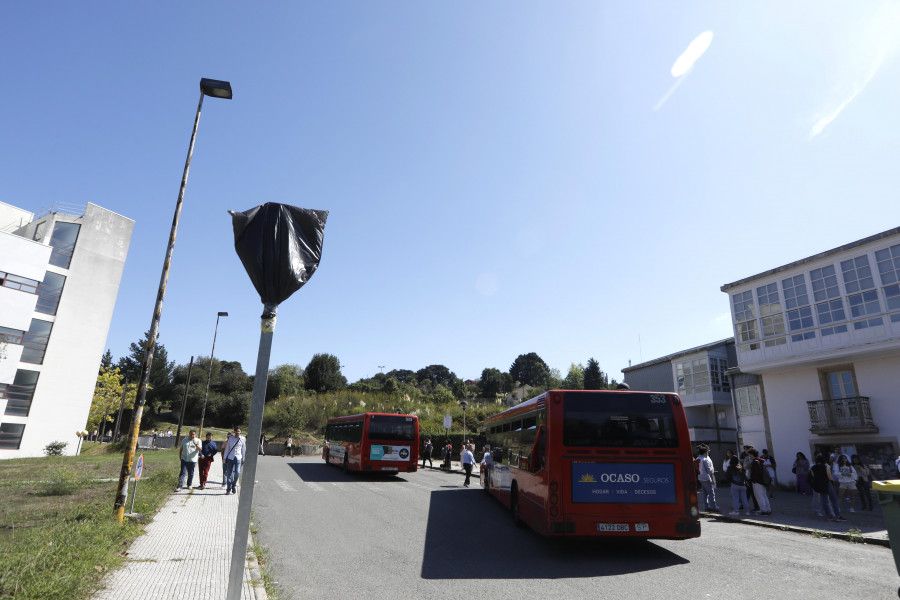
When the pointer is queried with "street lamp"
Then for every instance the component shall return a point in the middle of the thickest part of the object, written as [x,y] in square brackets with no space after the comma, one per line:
[464,404]
[214,89]
[209,373]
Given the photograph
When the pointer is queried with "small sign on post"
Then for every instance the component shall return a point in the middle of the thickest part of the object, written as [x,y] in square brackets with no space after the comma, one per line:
[138,469]
[448,421]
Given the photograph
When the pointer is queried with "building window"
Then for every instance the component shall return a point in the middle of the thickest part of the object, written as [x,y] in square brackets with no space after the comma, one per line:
[866,323]
[769,303]
[800,318]
[693,376]
[11,436]
[15,282]
[747,332]
[806,335]
[794,292]
[888,261]
[20,393]
[892,296]
[830,312]
[857,274]
[717,376]
[833,330]
[11,336]
[824,283]
[743,306]
[773,325]
[864,304]
[49,292]
[748,400]
[840,384]
[63,241]
[780,341]
[35,341]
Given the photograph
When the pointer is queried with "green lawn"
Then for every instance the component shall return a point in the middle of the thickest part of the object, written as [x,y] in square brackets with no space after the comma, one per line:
[58,534]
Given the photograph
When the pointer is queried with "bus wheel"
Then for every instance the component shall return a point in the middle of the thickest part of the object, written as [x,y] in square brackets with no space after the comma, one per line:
[514,505]
[346,464]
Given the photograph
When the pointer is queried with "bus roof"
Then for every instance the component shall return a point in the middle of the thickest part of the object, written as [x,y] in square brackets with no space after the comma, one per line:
[367,414]
[541,400]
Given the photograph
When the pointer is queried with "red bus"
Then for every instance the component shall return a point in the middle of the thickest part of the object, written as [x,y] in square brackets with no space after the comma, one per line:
[374,442]
[595,463]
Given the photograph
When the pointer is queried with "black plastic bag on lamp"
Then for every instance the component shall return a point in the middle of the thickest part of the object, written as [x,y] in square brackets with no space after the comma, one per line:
[280,246]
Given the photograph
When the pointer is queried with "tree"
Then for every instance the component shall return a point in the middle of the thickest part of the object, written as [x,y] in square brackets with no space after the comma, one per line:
[159,392]
[403,376]
[530,369]
[107,398]
[438,375]
[575,378]
[290,416]
[106,361]
[594,378]
[323,374]
[494,382]
[284,380]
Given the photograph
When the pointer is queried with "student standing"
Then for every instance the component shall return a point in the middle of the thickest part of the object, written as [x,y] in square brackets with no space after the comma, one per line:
[707,479]
[288,447]
[468,462]
[426,453]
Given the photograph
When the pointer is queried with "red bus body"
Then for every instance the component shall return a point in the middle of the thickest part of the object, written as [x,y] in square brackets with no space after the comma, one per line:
[595,463]
[373,442]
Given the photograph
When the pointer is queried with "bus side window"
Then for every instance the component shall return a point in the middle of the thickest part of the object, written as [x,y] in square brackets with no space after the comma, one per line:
[538,457]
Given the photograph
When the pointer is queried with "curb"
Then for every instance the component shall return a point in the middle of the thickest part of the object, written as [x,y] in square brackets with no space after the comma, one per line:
[861,539]
[256,581]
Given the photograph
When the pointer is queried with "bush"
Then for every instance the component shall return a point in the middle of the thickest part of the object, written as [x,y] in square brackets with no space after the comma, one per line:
[55,448]
[61,481]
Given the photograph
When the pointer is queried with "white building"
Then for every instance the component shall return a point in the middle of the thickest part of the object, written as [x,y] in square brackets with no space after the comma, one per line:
[818,355]
[59,278]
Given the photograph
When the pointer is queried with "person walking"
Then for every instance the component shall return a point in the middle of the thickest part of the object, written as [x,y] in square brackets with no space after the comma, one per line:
[758,477]
[426,453]
[223,456]
[288,447]
[190,450]
[801,470]
[468,462]
[448,452]
[737,478]
[707,479]
[262,443]
[863,483]
[207,455]
[235,449]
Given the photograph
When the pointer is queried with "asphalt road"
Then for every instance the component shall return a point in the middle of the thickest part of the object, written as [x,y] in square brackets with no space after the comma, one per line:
[424,536]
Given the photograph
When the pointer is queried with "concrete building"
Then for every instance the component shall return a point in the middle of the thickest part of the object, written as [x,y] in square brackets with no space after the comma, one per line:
[818,355]
[699,376]
[59,278]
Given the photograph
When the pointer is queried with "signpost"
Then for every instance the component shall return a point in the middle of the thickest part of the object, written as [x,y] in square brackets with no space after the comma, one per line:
[138,469]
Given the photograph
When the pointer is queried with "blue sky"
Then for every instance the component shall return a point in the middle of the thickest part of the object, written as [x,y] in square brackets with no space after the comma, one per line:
[502,178]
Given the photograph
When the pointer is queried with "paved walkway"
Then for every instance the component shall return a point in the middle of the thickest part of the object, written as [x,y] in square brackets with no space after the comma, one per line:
[185,552]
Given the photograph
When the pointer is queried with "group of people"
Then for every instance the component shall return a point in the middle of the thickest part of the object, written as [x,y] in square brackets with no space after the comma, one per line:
[751,477]
[831,480]
[193,453]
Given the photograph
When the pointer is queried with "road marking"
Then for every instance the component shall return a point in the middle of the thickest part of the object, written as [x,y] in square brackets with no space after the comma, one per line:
[315,486]
[284,485]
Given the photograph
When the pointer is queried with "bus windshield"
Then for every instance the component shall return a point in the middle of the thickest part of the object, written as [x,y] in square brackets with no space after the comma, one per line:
[391,428]
[619,420]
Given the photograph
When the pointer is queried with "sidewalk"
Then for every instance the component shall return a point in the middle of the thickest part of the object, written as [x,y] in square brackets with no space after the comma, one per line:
[185,552]
[790,512]
[794,512]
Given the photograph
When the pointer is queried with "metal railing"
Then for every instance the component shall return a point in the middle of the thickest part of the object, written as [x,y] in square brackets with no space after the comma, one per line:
[841,415]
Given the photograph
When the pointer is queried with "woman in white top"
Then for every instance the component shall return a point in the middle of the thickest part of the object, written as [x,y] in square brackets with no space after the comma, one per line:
[846,476]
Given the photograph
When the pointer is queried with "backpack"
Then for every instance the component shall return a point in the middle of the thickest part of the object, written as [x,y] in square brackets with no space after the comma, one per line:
[766,477]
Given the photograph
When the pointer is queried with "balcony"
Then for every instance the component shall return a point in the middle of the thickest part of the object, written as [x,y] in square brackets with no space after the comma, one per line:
[844,415]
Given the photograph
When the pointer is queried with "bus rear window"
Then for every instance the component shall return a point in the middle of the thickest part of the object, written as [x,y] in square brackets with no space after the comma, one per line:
[619,420]
[391,428]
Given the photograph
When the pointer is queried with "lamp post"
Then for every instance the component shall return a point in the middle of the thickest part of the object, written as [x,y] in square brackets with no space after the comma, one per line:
[214,89]
[464,404]
[209,372]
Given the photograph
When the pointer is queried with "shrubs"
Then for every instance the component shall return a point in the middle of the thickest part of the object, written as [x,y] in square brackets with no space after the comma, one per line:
[55,448]
[61,481]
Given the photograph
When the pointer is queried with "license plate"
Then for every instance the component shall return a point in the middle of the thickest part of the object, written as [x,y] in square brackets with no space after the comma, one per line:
[612,527]
[642,527]
[388,468]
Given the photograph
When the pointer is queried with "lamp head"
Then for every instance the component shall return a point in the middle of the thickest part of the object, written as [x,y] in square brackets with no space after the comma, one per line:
[215,88]
[223,314]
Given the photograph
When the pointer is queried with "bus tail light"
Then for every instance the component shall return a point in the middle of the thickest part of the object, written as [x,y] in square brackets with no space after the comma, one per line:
[554,487]
[554,511]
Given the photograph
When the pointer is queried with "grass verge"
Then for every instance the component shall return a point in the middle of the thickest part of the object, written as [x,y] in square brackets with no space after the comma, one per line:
[57,529]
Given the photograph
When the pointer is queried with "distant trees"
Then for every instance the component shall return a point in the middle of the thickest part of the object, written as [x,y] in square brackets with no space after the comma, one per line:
[530,369]
[159,393]
[574,378]
[107,398]
[285,380]
[323,374]
[494,382]
[594,378]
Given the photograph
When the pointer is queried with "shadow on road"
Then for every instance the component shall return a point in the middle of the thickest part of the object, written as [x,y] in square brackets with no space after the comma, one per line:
[321,472]
[472,536]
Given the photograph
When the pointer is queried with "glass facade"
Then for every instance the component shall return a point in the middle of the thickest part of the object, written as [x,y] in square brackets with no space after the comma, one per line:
[63,242]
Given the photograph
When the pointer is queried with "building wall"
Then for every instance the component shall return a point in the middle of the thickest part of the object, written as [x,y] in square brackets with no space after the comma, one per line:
[68,374]
[652,378]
